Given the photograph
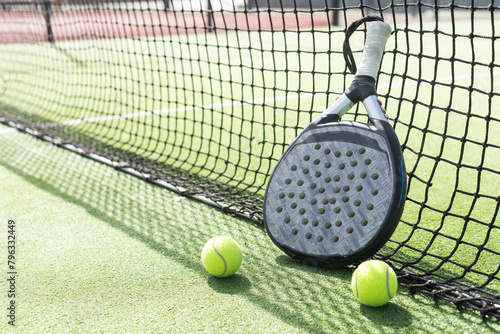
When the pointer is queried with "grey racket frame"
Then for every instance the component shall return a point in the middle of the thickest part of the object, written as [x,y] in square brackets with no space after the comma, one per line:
[343,211]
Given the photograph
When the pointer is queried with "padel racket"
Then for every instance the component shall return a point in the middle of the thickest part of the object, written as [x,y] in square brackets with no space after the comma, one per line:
[337,193]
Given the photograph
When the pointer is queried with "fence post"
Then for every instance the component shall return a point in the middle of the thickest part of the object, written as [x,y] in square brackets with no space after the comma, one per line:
[47,9]
[335,12]
[210,18]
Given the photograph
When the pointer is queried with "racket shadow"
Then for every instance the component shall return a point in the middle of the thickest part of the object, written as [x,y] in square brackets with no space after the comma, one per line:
[309,265]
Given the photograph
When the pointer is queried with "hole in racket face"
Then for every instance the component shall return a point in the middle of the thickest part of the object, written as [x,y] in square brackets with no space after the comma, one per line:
[345,192]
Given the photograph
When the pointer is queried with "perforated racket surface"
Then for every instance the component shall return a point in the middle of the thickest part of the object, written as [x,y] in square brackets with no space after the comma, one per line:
[337,193]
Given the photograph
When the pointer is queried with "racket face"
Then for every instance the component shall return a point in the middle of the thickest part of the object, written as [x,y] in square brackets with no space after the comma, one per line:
[336,194]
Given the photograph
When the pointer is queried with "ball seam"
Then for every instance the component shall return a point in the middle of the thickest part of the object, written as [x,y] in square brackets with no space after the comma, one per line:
[223,260]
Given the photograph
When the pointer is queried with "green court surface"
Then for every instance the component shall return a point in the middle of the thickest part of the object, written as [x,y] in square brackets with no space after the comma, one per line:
[209,104]
[100,251]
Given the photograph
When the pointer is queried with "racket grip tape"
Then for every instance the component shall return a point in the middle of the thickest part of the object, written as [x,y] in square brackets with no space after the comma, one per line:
[377,35]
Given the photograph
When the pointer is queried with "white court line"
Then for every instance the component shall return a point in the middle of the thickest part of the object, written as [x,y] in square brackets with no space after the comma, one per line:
[213,106]
[7,130]
[446,80]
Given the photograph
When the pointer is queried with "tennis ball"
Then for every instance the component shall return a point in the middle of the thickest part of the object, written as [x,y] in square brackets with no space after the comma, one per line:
[374,283]
[221,256]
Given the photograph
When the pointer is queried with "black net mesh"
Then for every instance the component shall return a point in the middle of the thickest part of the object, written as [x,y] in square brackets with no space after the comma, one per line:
[204,97]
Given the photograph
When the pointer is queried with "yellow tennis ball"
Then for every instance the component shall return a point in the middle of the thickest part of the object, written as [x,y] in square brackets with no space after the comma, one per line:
[374,283]
[221,256]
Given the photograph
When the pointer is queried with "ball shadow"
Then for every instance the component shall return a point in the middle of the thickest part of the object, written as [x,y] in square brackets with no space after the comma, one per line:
[378,315]
[235,284]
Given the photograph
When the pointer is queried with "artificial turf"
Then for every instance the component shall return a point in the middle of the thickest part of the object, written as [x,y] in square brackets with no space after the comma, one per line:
[100,251]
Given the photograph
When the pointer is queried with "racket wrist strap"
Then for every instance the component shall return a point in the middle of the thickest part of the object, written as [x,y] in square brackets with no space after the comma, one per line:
[348,56]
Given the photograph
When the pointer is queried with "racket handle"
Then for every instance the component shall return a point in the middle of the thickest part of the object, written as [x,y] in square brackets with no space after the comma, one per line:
[377,34]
